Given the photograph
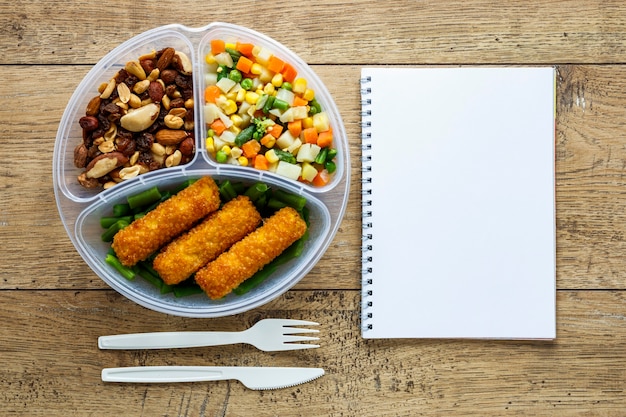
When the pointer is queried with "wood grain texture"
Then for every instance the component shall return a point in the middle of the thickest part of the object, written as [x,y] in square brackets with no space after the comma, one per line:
[329,32]
[54,307]
[582,373]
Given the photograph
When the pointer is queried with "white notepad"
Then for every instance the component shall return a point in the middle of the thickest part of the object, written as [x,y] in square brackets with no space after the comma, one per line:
[458,203]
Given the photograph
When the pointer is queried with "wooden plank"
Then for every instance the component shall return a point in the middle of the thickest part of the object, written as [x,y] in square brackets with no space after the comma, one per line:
[52,363]
[589,181]
[329,32]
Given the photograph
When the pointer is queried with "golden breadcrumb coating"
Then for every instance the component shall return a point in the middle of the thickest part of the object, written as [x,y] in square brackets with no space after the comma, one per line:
[253,252]
[205,242]
[146,235]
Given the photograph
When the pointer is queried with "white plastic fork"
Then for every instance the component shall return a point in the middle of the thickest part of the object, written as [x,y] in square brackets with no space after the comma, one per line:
[268,335]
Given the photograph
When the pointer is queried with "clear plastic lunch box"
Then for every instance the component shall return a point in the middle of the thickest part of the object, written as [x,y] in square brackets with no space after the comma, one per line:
[81,208]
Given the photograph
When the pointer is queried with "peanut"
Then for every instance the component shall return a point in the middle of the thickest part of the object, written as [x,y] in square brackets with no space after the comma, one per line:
[174,159]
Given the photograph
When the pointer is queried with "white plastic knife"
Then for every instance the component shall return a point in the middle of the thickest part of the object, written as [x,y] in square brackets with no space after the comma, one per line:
[257,378]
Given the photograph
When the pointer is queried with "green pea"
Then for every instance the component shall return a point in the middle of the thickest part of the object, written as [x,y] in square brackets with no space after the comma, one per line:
[221,157]
[235,75]
[287,86]
[246,84]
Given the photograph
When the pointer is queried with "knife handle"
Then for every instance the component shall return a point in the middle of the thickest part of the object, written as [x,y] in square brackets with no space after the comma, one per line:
[156,374]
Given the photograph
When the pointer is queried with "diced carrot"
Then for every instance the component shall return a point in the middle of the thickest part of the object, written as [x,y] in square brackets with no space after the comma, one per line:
[244,64]
[275,64]
[309,135]
[217,46]
[251,148]
[295,128]
[275,130]
[325,139]
[211,93]
[218,126]
[245,48]
[289,72]
[299,101]
[322,178]
[268,140]
[261,162]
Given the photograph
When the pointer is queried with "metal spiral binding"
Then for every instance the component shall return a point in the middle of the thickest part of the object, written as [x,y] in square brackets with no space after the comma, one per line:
[366,203]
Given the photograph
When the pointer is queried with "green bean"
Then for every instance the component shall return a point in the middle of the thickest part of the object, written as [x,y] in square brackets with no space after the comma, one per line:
[144,198]
[108,234]
[269,103]
[186,288]
[296,201]
[321,157]
[126,272]
[280,104]
[184,185]
[275,204]
[120,210]
[234,54]
[245,135]
[227,191]
[332,153]
[256,191]
[330,166]
[255,280]
[107,221]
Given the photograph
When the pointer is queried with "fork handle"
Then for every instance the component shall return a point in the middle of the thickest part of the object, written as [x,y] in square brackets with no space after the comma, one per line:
[167,340]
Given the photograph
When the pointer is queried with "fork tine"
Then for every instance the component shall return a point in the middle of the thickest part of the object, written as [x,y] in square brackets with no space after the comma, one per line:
[287,339]
[292,330]
[294,346]
[292,322]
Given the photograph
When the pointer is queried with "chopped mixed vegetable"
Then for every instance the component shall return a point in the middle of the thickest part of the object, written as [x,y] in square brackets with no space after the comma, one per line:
[259,113]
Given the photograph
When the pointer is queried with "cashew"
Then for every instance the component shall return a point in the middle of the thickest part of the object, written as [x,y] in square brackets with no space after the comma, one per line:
[154,75]
[108,90]
[140,119]
[135,68]
[141,86]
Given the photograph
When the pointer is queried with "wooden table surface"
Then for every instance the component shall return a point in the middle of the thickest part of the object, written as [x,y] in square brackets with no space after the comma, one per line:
[53,307]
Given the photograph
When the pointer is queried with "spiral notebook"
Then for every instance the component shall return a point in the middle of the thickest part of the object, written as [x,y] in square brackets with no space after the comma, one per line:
[458,203]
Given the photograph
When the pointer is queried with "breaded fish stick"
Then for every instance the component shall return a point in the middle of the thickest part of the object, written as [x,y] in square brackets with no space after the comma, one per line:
[205,242]
[253,252]
[146,235]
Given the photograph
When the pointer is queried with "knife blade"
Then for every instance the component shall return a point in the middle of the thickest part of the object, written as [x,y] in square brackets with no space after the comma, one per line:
[256,378]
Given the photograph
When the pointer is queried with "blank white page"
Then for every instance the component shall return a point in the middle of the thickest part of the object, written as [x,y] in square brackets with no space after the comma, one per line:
[462,203]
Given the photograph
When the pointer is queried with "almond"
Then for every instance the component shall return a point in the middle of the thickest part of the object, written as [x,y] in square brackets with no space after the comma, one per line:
[170,137]
[166,58]
[93,107]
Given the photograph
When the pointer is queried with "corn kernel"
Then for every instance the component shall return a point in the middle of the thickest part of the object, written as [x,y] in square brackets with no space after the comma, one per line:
[209,58]
[231,95]
[226,149]
[277,80]
[241,96]
[268,141]
[251,97]
[271,156]
[229,107]
[230,46]
[269,89]
[237,120]
[210,145]
[235,129]
[243,161]
[307,122]
[308,94]
[256,69]
[299,86]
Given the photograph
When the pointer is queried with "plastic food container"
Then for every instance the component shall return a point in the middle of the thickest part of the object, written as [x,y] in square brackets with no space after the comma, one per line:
[81,208]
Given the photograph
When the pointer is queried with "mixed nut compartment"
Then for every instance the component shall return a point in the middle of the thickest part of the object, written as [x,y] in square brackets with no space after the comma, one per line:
[104,152]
